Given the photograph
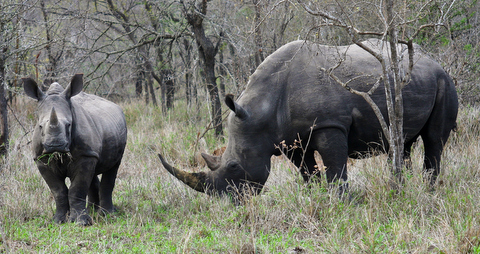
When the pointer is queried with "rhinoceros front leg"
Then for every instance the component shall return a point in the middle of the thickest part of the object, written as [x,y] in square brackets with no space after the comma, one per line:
[305,162]
[332,145]
[59,190]
[83,172]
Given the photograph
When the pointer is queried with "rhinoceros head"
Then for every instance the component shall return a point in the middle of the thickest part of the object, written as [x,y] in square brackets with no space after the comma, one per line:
[245,164]
[54,115]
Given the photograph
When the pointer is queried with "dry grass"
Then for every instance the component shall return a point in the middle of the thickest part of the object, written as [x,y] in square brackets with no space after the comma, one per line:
[157,214]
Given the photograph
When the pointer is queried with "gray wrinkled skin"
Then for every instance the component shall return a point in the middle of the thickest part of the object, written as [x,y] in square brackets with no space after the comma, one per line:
[79,136]
[290,97]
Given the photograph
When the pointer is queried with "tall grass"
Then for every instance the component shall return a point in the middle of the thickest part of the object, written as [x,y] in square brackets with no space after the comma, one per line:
[158,214]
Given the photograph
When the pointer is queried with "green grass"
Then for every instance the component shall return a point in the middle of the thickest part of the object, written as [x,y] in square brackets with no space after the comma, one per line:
[158,214]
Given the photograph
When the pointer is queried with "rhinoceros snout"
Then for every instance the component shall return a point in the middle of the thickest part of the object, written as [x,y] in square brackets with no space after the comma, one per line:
[51,148]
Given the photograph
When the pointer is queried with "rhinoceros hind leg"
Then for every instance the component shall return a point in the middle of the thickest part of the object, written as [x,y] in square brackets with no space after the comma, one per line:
[106,189]
[94,195]
[434,138]
[433,153]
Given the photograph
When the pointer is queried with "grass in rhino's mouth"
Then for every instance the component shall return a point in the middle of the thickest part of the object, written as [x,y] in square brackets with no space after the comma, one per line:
[56,156]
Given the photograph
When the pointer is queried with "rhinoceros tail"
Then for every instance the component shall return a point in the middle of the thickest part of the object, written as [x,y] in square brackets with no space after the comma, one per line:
[196,181]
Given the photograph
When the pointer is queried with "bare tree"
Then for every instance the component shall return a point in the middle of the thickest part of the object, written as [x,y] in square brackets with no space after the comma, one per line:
[207,50]
[10,22]
[186,55]
[52,57]
[3,99]
[287,16]
[157,13]
[394,76]
[257,33]
[119,44]
[142,50]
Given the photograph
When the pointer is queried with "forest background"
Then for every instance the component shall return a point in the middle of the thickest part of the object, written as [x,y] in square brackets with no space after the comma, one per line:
[169,65]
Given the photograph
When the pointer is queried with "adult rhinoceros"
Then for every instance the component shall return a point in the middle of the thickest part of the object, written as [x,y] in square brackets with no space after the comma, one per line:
[290,97]
[79,136]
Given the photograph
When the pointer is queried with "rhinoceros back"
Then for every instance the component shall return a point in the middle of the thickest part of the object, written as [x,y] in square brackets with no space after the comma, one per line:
[99,128]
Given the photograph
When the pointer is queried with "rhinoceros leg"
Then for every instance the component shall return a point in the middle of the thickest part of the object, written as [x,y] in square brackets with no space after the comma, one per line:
[93,195]
[407,150]
[106,189]
[59,190]
[305,162]
[437,130]
[434,137]
[84,169]
[433,153]
[332,145]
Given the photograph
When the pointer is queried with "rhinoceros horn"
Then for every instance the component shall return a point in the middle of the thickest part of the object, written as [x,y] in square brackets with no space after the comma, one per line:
[195,180]
[213,162]
[53,118]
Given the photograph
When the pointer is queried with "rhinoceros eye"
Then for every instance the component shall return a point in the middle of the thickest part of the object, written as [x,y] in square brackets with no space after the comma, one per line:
[67,128]
[41,129]
[233,166]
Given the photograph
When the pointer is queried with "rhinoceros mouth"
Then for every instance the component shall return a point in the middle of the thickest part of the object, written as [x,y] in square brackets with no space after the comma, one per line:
[53,148]
[62,157]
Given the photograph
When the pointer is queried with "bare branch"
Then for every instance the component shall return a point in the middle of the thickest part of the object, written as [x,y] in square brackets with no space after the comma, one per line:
[365,95]
[325,15]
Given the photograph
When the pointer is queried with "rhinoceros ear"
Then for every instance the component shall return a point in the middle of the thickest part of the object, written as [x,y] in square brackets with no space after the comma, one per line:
[32,90]
[75,87]
[213,162]
[239,111]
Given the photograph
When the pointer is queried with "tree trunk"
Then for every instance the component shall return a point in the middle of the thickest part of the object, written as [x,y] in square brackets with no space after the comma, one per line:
[215,100]
[168,80]
[259,57]
[139,83]
[396,114]
[52,59]
[3,106]
[147,66]
[223,74]
[190,91]
[162,89]
[207,51]
[287,17]
[147,95]
[149,84]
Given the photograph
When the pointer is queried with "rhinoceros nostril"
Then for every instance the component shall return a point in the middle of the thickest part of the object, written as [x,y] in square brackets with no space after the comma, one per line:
[61,148]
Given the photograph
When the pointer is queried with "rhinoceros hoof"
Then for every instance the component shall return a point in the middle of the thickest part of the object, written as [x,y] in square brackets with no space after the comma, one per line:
[59,219]
[111,210]
[82,219]
[106,211]
[93,207]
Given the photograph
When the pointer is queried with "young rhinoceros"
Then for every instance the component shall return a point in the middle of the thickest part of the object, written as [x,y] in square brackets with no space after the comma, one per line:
[79,136]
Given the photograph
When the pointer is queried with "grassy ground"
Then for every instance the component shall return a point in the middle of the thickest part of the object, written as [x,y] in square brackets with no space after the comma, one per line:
[157,214]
